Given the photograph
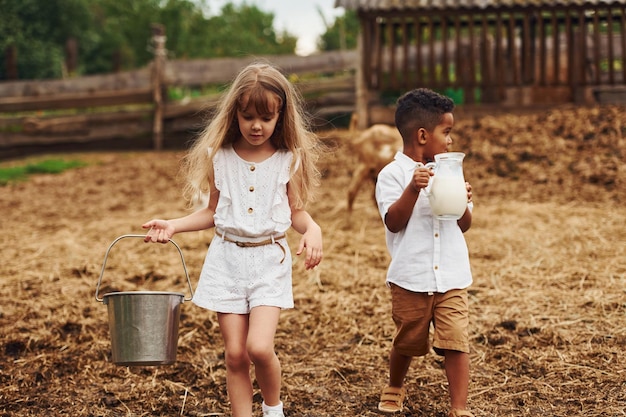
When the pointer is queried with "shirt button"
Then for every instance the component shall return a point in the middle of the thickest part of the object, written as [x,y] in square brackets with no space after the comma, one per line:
[436,267]
[250,210]
[251,188]
[436,234]
[252,168]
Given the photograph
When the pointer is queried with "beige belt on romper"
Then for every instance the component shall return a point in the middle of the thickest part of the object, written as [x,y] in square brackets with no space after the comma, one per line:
[252,242]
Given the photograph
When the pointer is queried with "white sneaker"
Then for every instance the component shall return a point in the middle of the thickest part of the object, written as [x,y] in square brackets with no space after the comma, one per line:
[267,412]
[273,413]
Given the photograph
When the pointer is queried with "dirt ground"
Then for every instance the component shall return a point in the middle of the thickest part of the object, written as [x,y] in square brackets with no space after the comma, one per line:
[548,303]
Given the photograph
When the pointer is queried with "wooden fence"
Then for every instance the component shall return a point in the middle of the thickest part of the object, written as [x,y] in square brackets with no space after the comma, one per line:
[135,104]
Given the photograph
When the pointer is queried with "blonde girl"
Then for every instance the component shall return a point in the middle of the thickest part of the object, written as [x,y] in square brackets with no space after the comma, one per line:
[256,160]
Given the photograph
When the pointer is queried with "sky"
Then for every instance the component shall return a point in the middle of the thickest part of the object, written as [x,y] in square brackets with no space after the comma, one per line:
[300,18]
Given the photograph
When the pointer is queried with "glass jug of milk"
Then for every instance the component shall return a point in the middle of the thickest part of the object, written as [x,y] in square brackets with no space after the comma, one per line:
[446,191]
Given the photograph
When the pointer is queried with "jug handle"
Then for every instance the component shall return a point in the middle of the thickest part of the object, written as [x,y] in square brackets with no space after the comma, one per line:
[106,255]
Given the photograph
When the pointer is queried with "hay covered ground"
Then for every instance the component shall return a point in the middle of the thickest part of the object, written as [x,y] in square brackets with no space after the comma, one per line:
[548,304]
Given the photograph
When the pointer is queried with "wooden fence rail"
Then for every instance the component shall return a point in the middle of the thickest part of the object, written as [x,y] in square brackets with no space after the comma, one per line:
[131,104]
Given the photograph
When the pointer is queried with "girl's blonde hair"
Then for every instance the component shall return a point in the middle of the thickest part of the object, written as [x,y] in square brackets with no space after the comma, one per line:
[292,131]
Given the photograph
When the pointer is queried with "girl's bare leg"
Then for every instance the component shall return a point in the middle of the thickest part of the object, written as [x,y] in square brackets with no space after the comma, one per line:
[234,329]
[260,347]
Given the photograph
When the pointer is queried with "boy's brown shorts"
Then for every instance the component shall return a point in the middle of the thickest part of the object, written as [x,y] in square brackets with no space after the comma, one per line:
[412,312]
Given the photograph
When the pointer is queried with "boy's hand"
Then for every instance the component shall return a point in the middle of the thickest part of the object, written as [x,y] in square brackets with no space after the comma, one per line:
[160,231]
[421,177]
[468,187]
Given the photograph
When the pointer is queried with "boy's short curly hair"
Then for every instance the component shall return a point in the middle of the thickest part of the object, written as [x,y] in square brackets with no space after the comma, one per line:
[421,108]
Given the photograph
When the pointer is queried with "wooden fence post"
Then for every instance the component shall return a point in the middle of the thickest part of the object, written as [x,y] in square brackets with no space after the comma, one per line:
[71,56]
[11,62]
[361,110]
[158,43]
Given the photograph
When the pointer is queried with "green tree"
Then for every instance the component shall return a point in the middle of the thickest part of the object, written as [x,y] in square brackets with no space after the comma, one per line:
[121,28]
[246,30]
[186,29]
[38,30]
[114,34]
[341,34]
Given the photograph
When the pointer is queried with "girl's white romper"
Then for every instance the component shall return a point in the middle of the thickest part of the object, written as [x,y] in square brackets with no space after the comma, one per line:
[252,206]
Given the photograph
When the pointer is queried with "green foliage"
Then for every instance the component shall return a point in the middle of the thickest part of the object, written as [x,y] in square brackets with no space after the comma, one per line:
[39,31]
[115,35]
[246,30]
[342,34]
[47,166]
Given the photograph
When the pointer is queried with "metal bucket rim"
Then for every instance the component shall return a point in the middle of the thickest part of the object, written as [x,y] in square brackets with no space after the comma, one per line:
[143,293]
[123,293]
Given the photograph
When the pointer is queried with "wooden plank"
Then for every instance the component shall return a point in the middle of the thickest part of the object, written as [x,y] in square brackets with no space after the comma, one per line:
[158,44]
[220,71]
[322,85]
[199,106]
[445,61]
[513,50]
[500,69]
[486,78]
[378,63]
[94,133]
[75,100]
[611,56]
[556,52]
[363,74]
[10,58]
[623,41]
[419,73]
[391,46]
[490,89]
[582,27]
[571,61]
[405,53]
[458,59]
[543,56]
[432,75]
[130,80]
[367,50]
[527,50]
[471,82]
[332,99]
[596,49]
[79,123]
[325,112]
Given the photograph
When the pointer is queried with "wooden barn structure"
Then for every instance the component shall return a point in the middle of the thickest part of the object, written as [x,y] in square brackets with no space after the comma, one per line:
[503,52]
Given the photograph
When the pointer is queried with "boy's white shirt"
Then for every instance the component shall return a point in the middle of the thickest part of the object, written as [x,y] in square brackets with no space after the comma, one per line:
[428,255]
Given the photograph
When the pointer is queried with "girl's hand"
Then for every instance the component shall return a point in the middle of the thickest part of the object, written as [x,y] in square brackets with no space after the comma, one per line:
[311,241]
[160,231]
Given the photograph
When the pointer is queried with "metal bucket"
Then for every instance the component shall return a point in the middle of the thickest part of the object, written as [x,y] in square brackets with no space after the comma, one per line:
[143,324]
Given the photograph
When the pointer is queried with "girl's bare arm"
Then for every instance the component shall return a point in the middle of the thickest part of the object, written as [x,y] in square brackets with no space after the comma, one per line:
[163,230]
[311,232]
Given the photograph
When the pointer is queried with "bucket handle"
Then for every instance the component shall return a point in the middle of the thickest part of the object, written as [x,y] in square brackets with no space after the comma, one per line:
[106,255]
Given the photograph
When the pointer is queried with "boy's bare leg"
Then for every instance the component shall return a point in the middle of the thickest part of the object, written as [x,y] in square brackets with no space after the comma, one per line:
[398,367]
[457,371]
